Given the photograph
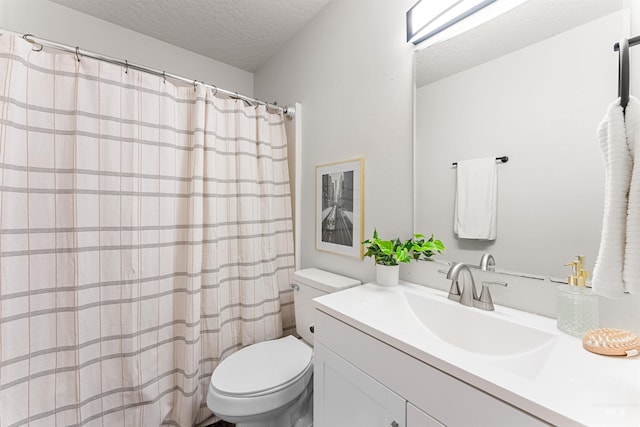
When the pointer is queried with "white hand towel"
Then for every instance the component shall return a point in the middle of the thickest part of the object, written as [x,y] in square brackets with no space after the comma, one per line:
[607,273]
[631,272]
[476,204]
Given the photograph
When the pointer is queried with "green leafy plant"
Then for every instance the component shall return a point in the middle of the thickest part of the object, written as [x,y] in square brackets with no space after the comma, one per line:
[392,252]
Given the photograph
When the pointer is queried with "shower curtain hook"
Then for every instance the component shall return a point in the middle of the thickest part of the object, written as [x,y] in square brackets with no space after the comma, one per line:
[126,66]
[164,77]
[26,37]
[78,56]
[194,86]
[216,88]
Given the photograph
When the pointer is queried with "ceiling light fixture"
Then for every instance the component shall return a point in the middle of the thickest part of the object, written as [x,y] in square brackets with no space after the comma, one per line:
[433,21]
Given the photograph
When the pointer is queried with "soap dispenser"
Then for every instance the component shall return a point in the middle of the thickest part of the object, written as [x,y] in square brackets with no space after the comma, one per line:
[577,304]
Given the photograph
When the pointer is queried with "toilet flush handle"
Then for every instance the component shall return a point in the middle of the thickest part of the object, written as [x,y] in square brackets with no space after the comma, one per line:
[295,287]
[312,328]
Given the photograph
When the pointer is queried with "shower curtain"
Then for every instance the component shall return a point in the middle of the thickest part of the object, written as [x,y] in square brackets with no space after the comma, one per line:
[146,234]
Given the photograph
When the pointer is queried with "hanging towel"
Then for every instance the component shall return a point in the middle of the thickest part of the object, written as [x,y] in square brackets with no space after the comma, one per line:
[607,272]
[631,272]
[475,212]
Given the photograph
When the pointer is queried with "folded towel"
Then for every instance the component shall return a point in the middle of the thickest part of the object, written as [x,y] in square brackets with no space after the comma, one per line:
[631,272]
[607,273]
[476,204]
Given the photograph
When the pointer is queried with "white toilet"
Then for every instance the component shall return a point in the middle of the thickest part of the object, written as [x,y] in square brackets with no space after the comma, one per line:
[270,384]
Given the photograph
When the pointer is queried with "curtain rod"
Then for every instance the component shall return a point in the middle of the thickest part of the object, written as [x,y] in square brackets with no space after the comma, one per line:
[288,111]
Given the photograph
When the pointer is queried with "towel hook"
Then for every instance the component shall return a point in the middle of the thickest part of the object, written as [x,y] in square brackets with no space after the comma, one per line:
[623,73]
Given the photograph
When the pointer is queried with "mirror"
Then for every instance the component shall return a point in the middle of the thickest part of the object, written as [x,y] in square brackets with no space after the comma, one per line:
[532,85]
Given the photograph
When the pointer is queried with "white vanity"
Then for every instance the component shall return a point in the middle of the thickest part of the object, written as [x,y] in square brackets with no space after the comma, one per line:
[408,356]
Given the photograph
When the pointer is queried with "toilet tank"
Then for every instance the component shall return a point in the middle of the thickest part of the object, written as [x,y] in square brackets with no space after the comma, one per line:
[311,283]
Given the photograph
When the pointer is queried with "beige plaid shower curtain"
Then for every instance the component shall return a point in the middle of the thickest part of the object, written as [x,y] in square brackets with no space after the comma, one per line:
[146,234]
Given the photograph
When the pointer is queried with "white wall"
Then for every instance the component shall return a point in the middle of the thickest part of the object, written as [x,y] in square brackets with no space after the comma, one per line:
[541,106]
[352,71]
[51,21]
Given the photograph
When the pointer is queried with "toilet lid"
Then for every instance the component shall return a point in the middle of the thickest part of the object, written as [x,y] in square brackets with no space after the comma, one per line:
[263,366]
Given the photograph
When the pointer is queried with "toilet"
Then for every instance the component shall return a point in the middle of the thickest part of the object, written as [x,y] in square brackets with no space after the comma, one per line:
[270,384]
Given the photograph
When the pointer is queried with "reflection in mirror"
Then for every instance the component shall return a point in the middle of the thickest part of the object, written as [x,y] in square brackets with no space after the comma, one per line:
[533,85]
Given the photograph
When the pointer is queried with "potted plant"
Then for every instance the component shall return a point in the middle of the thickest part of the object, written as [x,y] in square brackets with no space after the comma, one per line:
[388,254]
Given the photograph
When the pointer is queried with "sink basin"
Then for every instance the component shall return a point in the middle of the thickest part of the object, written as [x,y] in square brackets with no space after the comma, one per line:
[488,333]
[474,330]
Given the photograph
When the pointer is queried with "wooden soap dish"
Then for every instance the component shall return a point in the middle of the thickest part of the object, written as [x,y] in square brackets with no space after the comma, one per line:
[611,342]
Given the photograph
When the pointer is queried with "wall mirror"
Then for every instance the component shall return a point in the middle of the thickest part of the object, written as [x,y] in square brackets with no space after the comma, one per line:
[533,85]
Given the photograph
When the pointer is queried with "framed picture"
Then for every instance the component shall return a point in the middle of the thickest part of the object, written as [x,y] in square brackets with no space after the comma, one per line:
[340,207]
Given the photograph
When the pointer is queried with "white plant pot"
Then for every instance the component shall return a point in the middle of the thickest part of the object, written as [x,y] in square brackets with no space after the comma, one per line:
[387,275]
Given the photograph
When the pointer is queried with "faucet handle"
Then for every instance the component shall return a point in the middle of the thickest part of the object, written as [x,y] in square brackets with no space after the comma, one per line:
[485,302]
[446,270]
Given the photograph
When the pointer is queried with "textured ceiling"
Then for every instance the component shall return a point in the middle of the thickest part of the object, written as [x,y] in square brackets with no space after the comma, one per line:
[242,33]
[246,33]
[532,22]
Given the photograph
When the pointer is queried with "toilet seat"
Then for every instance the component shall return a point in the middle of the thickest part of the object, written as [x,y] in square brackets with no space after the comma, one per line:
[262,368]
[261,378]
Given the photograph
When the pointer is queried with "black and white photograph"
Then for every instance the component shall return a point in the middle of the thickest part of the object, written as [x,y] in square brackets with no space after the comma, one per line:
[339,207]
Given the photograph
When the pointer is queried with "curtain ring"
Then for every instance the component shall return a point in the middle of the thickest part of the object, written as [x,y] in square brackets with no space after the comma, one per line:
[216,92]
[194,85]
[78,56]
[126,66]
[164,77]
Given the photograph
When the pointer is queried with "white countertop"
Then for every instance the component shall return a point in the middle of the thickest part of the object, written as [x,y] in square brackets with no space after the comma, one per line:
[570,387]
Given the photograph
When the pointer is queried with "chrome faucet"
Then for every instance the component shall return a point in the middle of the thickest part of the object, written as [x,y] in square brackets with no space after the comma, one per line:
[469,296]
[488,262]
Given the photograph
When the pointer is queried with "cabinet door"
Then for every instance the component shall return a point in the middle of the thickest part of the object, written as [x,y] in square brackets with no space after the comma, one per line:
[417,418]
[345,396]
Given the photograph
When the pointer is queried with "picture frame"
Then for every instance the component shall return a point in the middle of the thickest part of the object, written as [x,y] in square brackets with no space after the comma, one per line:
[340,207]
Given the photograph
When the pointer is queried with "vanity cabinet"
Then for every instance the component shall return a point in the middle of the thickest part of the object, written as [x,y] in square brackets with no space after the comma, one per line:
[349,397]
[362,381]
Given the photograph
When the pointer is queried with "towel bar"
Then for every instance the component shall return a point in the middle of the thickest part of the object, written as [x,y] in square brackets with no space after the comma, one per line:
[503,159]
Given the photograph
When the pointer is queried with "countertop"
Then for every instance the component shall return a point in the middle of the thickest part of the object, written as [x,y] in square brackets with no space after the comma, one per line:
[571,386]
